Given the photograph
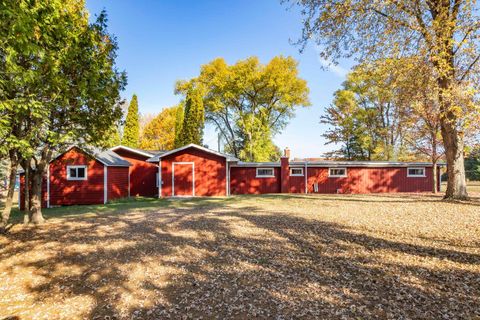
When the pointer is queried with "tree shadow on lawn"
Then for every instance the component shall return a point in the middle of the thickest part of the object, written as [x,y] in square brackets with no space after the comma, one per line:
[376,198]
[214,260]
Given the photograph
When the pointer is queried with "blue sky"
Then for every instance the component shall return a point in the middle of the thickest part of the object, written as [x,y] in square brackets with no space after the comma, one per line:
[165,41]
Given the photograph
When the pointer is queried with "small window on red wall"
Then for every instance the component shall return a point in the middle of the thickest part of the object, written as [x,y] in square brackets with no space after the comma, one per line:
[76,172]
[337,172]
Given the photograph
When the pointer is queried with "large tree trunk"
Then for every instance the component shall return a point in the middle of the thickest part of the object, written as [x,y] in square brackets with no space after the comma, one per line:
[35,213]
[454,144]
[452,139]
[11,189]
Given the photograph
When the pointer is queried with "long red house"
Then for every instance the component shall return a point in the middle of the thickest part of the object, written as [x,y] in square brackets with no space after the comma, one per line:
[78,176]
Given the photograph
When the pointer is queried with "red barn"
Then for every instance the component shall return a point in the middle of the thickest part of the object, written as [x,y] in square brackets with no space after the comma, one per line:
[193,171]
[80,176]
[143,174]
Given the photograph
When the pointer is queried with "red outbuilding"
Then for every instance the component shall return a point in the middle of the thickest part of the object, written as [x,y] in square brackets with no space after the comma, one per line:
[143,174]
[197,171]
[79,176]
[193,170]
[91,176]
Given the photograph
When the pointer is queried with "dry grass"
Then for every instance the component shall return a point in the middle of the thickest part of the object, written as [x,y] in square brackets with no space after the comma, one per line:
[398,256]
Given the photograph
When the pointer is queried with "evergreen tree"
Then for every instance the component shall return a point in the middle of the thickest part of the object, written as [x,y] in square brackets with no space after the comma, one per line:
[178,126]
[194,118]
[131,133]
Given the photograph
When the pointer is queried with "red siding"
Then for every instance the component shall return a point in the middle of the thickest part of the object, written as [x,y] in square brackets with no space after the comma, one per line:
[210,172]
[117,181]
[369,180]
[297,184]
[67,192]
[243,180]
[142,174]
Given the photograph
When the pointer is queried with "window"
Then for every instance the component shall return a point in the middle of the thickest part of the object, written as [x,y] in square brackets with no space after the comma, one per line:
[76,172]
[296,172]
[415,172]
[337,172]
[265,173]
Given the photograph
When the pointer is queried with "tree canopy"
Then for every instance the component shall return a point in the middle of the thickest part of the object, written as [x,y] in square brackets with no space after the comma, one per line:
[159,133]
[59,83]
[249,102]
[443,35]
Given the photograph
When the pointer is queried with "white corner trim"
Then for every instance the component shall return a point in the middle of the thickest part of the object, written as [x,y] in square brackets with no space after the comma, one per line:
[337,175]
[173,177]
[267,175]
[105,184]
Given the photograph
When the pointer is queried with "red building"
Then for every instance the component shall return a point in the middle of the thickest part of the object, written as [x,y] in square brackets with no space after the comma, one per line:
[80,176]
[193,171]
[88,177]
[143,174]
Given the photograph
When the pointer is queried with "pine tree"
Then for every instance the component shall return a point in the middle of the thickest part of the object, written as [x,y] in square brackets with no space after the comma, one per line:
[178,126]
[131,133]
[194,118]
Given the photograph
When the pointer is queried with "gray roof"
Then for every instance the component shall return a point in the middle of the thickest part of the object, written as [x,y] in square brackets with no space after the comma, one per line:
[146,153]
[108,158]
[332,163]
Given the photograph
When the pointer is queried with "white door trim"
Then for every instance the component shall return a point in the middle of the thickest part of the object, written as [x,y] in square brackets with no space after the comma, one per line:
[173,178]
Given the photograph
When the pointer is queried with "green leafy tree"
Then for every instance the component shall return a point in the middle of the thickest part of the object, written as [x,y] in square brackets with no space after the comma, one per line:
[59,84]
[112,137]
[249,102]
[193,118]
[442,34]
[472,164]
[367,116]
[131,131]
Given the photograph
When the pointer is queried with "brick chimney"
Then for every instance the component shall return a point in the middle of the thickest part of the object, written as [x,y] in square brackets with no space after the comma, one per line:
[285,171]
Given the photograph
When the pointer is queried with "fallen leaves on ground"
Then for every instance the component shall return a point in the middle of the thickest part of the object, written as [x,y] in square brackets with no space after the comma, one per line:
[283,257]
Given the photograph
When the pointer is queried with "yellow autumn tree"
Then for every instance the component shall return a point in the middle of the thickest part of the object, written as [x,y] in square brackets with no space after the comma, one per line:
[159,133]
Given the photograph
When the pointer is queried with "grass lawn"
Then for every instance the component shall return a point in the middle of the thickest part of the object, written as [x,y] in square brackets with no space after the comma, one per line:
[278,256]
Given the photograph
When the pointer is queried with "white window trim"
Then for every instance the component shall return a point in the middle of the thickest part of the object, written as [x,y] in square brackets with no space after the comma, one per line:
[337,175]
[74,178]
[265,176]
[415,175]
[297,174]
